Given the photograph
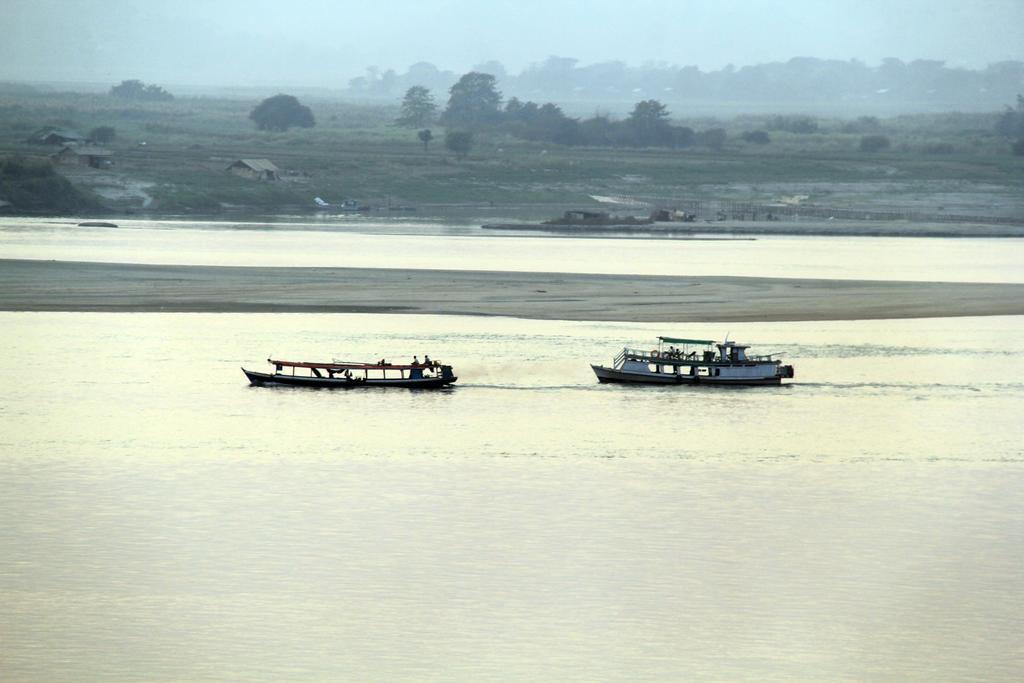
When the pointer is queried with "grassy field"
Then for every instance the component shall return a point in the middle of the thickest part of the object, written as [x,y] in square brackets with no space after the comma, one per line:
[951,161]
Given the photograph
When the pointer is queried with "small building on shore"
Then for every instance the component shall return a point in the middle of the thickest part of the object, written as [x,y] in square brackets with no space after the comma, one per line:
[95,157]
[255,169]
[53,136]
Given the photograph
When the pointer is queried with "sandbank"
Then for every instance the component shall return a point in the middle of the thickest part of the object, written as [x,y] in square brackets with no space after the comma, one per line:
[77,286]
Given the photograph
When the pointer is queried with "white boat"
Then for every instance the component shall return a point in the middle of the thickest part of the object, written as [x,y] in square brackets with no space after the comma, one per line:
[694,361]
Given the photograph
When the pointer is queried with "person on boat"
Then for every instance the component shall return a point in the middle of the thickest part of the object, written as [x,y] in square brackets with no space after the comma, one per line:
[426,360]
[415,361]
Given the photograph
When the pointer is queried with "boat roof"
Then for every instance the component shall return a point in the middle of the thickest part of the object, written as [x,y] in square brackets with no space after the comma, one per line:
[678,340]
[345,366]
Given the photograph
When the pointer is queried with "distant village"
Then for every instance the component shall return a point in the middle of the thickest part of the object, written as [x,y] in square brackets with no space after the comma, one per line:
[75,149]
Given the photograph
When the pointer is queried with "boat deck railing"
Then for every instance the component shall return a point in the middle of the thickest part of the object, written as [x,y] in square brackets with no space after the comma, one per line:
[680,358]
[655,356]
[342,370]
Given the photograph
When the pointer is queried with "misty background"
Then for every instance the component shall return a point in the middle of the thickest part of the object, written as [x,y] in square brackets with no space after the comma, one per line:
[869,54]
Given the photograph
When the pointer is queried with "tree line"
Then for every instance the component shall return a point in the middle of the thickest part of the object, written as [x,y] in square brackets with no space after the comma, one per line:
[475,103]
[135,89]
[917,83]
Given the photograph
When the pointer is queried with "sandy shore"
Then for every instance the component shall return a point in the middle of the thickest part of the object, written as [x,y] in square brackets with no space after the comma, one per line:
[72,286]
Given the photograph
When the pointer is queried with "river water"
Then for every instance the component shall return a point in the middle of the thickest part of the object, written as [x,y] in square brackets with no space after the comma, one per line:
[162,520]
[400,244]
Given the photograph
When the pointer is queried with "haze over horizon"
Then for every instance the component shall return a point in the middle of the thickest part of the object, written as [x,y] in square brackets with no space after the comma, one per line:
[316,43]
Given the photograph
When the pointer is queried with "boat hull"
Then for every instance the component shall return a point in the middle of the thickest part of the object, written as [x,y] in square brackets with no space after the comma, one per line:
[605,375]
[611,375]
[266,379]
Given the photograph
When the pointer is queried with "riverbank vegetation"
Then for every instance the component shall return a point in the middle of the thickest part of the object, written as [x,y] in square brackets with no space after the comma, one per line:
[172,155]
[32,185]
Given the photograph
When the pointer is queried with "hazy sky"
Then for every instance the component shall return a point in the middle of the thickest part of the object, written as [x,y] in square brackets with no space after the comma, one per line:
[321,43]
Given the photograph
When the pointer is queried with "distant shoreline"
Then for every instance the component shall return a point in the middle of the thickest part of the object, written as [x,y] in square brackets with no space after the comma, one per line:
[739,229]
[807,227]
[27,285]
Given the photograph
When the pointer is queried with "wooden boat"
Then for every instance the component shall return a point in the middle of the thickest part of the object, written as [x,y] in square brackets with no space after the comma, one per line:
[347,375]
[696,361]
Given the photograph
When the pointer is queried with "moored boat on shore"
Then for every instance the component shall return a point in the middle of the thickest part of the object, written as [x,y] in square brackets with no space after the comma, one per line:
[352,375]
[695,361]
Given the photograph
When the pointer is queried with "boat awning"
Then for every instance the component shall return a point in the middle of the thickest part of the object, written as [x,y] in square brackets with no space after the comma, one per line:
[348,366]
[676,340]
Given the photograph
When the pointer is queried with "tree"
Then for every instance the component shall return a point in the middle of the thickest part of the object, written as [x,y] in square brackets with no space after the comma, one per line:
[474,101]
[793,124]
[130,89]
[683,136]
[418,108]
[525,113]
[103,134]
[513,108]
[425,137]
[649,122]
[863,124]
[874,143]
[135,89]
[546,122]
[757,137]
[459,141]
[280,113]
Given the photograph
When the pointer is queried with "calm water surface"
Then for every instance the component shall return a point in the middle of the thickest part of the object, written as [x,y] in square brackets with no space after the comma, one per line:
[161,520]
[459,247]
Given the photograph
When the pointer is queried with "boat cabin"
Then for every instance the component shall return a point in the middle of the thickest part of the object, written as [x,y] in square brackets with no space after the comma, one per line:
[382,370]
[731,352]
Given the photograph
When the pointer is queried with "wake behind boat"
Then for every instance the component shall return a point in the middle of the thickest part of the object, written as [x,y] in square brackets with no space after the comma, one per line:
[695,361]
[346,375]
